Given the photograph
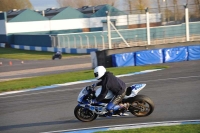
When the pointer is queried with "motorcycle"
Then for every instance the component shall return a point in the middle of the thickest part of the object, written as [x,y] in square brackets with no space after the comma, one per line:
[139,105]
[57,55]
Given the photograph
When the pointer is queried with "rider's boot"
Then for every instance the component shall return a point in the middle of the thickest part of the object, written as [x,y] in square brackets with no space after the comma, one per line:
[124,109]
[108,114]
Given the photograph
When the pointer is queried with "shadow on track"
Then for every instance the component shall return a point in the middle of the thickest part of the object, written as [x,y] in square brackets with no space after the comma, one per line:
[3,128]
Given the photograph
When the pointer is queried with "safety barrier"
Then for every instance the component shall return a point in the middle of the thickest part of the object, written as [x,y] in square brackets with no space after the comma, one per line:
[54,49]
[156,56]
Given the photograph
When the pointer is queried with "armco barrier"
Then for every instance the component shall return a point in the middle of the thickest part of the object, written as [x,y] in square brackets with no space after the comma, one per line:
[54,49]
[175,54]
[194,52]
[157,56]
[124,59]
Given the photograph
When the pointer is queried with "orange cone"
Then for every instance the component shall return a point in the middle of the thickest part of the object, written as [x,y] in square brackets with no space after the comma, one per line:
[10,63]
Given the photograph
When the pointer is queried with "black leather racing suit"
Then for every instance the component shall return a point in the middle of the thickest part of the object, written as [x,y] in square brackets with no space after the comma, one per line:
[115,85]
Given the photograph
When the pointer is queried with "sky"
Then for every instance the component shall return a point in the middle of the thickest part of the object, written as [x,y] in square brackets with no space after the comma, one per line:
[43,4]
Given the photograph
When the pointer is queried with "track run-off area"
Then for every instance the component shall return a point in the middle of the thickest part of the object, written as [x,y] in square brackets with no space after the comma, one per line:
[175,92]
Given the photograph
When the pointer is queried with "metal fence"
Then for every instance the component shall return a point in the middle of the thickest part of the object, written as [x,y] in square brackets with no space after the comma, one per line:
[138,28]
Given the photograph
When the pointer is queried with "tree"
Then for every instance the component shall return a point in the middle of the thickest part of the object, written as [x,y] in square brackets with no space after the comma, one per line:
[139,5]
[81,3]
[6,5]
[197,7]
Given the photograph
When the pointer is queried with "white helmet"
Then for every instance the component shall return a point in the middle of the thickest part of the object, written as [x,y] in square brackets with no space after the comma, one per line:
[99,72]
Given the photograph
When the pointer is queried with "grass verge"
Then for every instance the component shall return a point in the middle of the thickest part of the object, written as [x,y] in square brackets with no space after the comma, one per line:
[29,55]
[163,129]
[26,83]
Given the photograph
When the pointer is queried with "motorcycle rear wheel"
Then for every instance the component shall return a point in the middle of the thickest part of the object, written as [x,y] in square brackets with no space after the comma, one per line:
[141,106]
[83,114]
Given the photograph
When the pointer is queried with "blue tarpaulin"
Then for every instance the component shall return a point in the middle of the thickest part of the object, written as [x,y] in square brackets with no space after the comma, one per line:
[194,52]
[149,57]
[175,54]
[123,59]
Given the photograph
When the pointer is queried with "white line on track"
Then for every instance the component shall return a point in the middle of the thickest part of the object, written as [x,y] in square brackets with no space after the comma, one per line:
[127,126]
[176,78]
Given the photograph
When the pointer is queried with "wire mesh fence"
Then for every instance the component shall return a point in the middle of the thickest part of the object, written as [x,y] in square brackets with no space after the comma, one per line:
[166,25]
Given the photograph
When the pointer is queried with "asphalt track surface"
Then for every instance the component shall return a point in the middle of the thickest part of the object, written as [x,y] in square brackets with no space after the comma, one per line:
[33,68]
[175,92]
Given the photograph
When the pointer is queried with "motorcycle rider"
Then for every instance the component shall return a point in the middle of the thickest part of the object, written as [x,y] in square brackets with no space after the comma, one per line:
[112,83]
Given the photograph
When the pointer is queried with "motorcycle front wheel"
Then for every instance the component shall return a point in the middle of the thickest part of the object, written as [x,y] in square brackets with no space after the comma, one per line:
[84,114]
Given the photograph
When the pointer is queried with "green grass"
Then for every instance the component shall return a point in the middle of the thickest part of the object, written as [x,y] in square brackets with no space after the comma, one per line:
[163,129]
[34,82]
[11,53]
[26,83]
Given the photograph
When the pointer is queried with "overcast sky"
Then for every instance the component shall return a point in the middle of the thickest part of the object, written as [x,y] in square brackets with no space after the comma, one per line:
[43,4]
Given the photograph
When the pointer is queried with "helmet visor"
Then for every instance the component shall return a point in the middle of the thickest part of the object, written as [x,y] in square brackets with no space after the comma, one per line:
[96,74]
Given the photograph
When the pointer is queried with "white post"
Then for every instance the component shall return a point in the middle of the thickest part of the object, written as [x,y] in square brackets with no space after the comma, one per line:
[58,40]
[75,42]
[103,42]
[109,31]
[95,41]
[187,23]
[80,41]
[43,13]
[87,41]
[68,41]
[148,27]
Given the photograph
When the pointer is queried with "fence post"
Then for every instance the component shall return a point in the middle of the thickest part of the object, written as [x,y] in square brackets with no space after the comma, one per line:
[80,41]
[68,42]
[53,41]
[187,23]
[87,41]
[103,41]
[75,42]
[58,37]
[109,31]
[95,40]
[63,42]
[148,26]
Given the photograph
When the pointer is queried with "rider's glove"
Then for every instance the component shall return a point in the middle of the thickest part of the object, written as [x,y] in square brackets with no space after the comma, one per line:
[94,85]
[93,101]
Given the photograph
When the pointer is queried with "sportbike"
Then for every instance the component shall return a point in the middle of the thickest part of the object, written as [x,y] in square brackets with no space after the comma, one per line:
[138,105]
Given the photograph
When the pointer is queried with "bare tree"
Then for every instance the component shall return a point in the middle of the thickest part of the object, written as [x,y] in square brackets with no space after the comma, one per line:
[101,2]
[167,11]
[81,3]
[139,5]
[175,9]
[6,5]
[197,7]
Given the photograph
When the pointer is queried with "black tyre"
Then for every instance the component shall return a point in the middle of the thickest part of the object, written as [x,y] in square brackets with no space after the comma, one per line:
[53,57]
[84,114]
[141,106]
[60,57]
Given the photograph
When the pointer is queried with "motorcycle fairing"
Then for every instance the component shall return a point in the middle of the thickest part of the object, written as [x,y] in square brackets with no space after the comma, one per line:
[135,88]
[81,95]
[99,109]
